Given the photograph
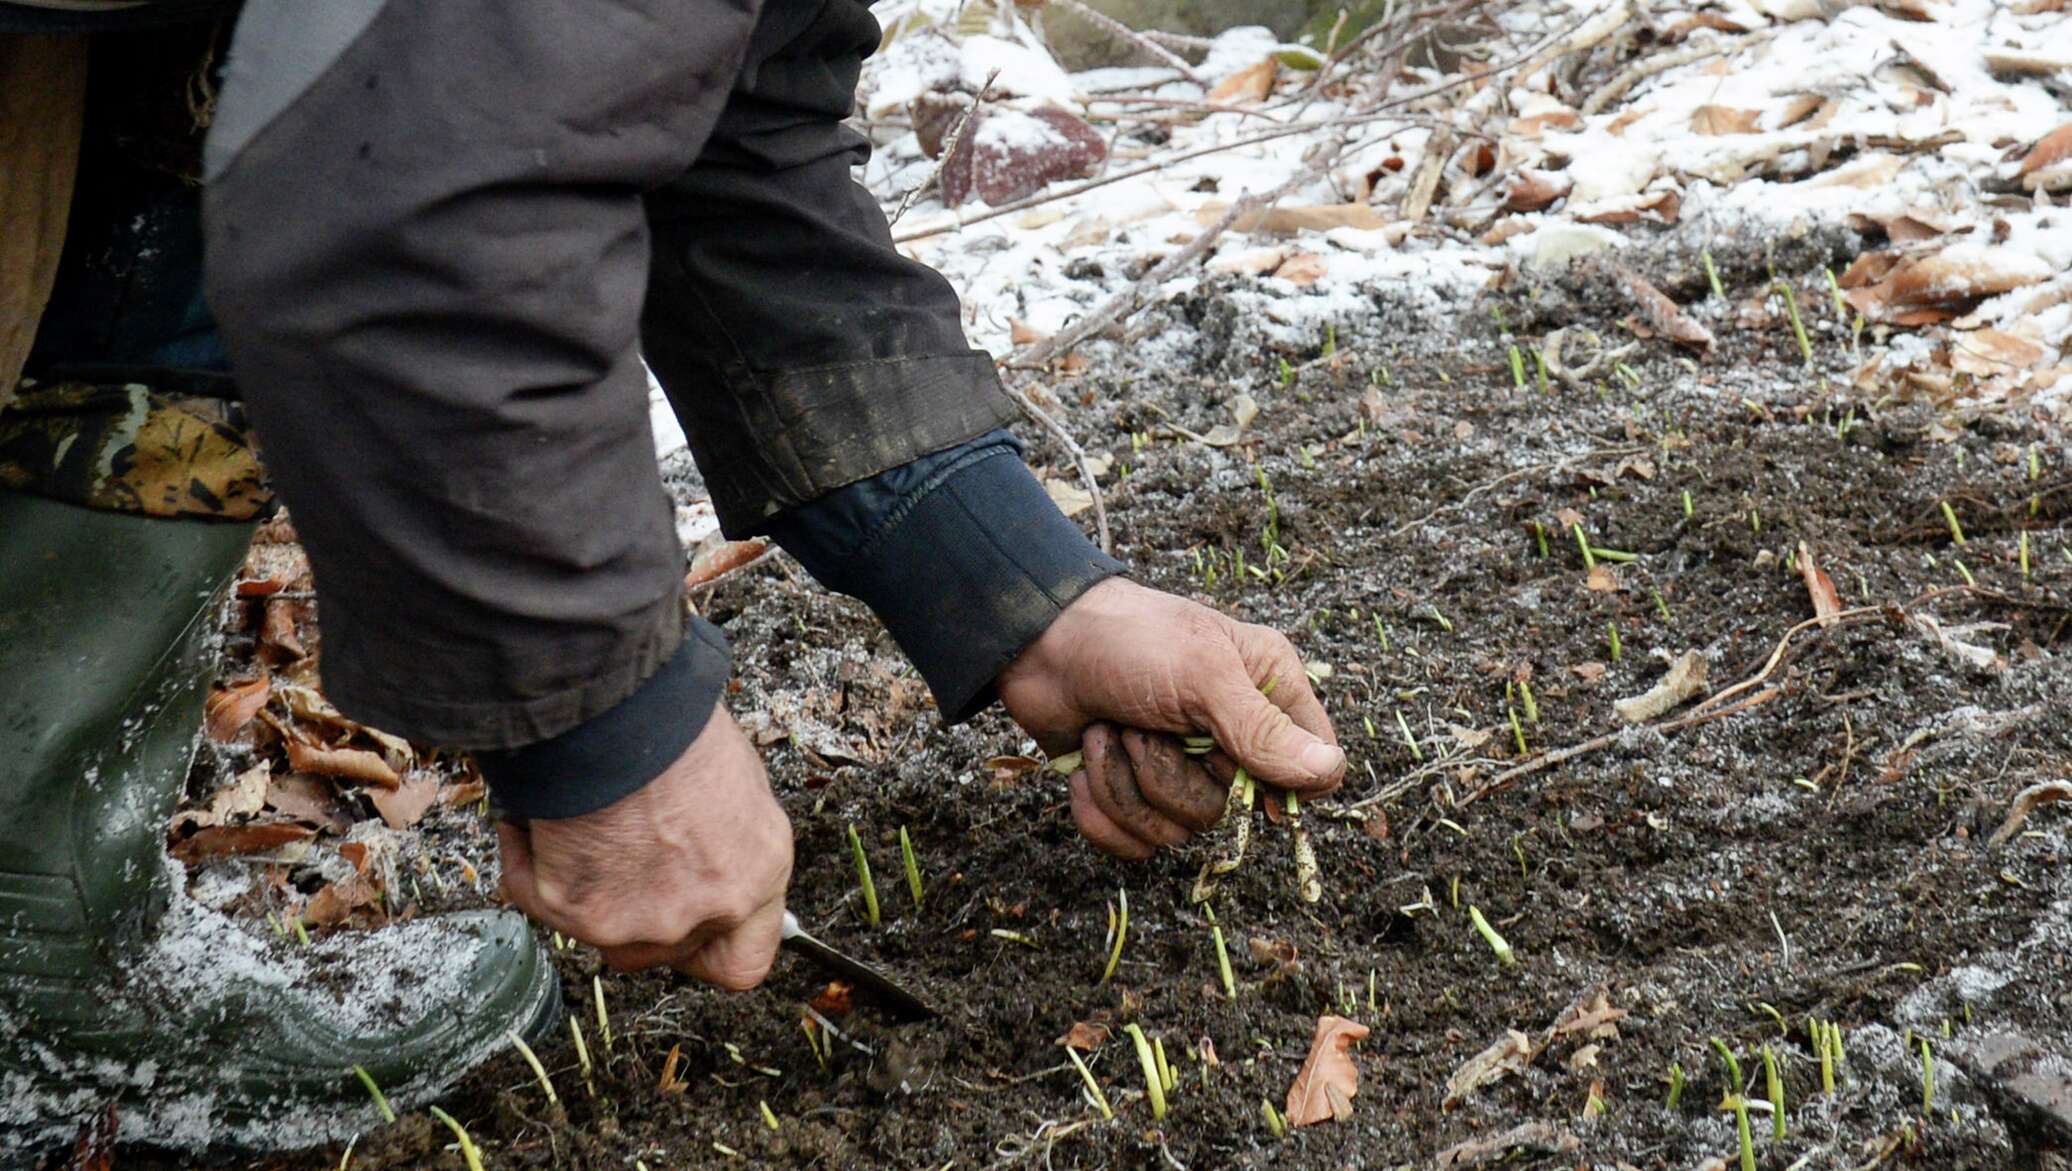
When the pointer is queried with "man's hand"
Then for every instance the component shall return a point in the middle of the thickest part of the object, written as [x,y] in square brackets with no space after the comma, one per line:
[1123,669]
[687,872]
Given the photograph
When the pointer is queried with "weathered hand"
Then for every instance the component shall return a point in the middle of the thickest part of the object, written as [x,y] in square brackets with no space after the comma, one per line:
[1124,670]
[686,872]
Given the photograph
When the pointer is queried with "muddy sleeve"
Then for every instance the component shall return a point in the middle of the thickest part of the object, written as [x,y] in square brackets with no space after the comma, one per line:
[428,249]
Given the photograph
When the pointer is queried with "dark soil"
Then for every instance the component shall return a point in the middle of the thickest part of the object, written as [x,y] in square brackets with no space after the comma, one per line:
[1846,814]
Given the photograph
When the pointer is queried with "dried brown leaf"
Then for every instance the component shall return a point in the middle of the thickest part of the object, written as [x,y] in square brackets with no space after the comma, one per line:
[355,764]
[1684,682]
[1508,1054]
[1820,587]
[837,999]
[1320,217]
[338,900]
[277,628]
[1085,1036]
[1724,120]
[1250,84]
[712,562]
[2049,150]
[1594,1016]
[229,708]
[1663,315]
[405,805]
[1303,268]
[222,841]
[1021,333]
[1532,190]
[306,798]
[1601,579]
[1324,1088]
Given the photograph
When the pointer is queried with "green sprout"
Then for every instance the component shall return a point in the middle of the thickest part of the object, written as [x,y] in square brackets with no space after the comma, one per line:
[1166,1080]
[1798,327]
[863,877]
[1956,530]
[1517,730]
[1539,536]
[1676,1086]
[1532,709]
[1416,753]
[533,1059]
[1927,1077]
[1517,367]
[1661,606]
[1773,1084]
[1834,288]
[1583,543]
[1539,369]
[1733,1066]
[1276,1122]
[1689,510]
[1612,629]
[2025,554]
[1092,1087]
[604,1019]
[1739,1106]
[460,1133]
[1119,926]
[1712,274]
[388,1113]
[575,1030]
[769,1115]
[1496,942]
[1154,1086]
[1222,954]
[913,866]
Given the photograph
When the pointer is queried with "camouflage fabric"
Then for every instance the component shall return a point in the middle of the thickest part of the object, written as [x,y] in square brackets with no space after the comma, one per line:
[129,448]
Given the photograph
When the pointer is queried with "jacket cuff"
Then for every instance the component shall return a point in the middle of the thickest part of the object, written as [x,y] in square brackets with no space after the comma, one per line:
[962,555]
[610,755]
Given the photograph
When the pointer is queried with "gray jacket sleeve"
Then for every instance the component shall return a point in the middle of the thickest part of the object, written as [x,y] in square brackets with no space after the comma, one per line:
[427,251]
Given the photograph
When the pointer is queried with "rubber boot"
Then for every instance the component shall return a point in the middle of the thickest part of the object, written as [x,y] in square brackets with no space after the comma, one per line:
[115,986]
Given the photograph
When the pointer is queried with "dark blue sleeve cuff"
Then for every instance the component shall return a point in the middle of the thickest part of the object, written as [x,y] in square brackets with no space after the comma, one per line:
[609,756]
[961,554]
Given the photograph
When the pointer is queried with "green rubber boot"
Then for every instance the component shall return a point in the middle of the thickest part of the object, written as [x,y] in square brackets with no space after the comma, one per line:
[115,986]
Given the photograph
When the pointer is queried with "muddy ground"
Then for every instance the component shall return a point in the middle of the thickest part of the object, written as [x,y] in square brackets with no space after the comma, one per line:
[1821,853]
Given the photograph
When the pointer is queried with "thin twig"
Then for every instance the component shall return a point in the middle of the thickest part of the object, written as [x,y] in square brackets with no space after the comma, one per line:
[1086,470]
[1115,27]
[1500,481]
[1380,113]
[949,151]
[1041,354]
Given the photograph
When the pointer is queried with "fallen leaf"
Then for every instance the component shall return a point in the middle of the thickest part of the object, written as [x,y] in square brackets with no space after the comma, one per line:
[1952,641]
[669,1082]
[1601,579]
[338,900]
[1684,682]
[1251,261]
[1311,218]
[1820,587]
[1069,496]
[1663,315]
[1278,953]
[1948,282]
[405,805]
[355,764]
[1303,268]
[1250,84]
[723,557]
[1328,1080]
[229,708]
[244,795]
[463,793]
[1583,1058]
[1534,125]
[837,999]
[277,628]
[2052,148]
[223,841]
[1594,1016]
[1085,1036]
[306,798]
[1724,120]
[1021,333]
[1869,269]
[1533,190]
[1508,1054]
[1984,353]
[260,587]
[1589,672]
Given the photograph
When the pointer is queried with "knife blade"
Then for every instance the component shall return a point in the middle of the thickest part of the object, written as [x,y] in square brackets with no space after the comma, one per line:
[876,985]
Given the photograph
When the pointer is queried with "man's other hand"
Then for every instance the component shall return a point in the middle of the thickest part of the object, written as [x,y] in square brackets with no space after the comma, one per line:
[687,872]
[1124,670]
